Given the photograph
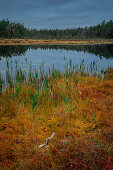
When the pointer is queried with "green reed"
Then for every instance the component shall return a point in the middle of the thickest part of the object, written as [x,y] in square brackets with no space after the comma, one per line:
[41,81]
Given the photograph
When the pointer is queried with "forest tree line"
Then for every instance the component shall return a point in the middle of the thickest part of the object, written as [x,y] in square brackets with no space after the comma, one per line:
[17,30]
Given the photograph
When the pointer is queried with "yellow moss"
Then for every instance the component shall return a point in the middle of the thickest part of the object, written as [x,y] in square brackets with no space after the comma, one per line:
[82,126]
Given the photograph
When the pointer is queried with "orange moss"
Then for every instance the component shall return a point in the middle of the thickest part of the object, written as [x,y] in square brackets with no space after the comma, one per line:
[83,125]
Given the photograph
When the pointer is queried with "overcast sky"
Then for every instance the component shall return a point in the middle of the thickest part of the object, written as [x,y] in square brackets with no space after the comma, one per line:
[59,14]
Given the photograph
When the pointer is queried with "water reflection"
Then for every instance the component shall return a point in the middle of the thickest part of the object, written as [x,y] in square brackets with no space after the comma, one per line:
[24,56]
[103,50]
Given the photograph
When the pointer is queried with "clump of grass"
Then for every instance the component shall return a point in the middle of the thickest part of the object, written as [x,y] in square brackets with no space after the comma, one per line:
[75,105]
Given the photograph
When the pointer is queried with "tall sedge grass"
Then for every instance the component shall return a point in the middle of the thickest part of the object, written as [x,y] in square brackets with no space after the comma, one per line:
[75,104]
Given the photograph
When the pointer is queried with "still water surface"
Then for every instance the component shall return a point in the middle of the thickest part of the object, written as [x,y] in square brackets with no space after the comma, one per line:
[54,55]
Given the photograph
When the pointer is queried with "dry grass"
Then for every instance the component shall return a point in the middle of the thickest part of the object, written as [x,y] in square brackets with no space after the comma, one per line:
[79,109]
[54,42]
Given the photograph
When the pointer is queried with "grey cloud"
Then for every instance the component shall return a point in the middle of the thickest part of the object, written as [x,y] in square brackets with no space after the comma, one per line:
[56,13]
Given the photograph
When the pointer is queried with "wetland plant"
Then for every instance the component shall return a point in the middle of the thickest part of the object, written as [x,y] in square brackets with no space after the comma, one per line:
[73,104]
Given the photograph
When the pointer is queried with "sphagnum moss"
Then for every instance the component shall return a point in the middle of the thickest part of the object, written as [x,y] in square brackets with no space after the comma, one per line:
[74,105]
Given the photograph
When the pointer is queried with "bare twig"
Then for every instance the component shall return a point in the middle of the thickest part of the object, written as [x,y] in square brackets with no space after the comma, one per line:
[47,140]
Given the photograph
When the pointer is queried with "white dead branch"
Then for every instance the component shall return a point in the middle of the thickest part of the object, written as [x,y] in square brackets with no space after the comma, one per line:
[47,140]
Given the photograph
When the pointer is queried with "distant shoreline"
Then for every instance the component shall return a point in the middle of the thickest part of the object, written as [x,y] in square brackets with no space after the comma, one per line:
[52,42]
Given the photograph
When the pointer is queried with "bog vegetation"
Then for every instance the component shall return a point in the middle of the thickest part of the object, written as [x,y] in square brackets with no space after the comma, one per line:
[76,104]
[103,30]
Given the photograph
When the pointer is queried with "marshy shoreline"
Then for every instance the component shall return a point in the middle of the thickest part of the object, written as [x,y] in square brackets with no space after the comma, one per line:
[53,42]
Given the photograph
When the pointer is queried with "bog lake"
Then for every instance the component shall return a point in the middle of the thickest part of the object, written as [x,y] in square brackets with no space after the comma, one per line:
[35,56]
